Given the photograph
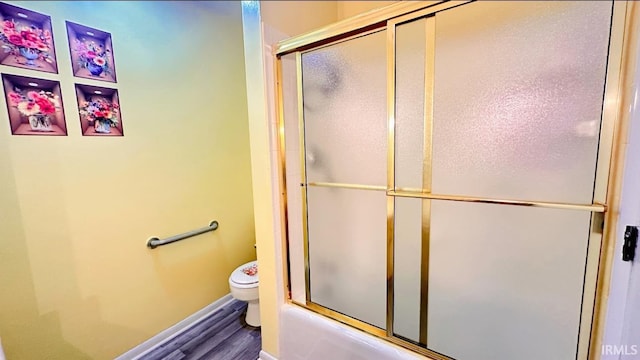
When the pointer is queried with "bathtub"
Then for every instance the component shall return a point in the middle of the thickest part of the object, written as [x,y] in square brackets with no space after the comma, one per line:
[305,335]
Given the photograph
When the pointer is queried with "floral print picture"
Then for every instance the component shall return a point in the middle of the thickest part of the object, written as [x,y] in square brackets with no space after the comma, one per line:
[91,53]
[34,106]
[99,110]
[26,39]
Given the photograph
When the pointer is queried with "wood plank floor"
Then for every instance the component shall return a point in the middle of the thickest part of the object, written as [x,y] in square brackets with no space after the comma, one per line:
[222,335]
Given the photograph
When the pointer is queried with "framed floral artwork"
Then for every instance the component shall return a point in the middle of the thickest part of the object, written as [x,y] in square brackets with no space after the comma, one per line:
[99,110]
[91,53]
[34,106]
[26,39]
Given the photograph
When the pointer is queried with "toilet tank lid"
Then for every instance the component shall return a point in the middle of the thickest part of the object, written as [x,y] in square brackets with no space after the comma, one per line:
[246,274]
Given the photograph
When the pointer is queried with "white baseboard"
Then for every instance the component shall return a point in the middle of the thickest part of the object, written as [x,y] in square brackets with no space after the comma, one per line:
[175,330]
[266,356]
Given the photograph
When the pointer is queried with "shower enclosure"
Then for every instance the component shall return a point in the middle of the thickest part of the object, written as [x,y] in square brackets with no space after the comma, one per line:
[445,169]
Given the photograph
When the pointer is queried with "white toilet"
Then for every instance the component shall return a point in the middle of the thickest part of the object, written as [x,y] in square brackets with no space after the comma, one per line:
[244,286]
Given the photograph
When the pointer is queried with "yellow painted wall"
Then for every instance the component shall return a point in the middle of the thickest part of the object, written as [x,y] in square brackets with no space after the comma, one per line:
[76,280]
[297,17]
[348,9]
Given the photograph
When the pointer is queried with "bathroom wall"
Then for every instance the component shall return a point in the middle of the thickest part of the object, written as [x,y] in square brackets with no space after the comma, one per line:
[76,279]
[297,17]
[348,9]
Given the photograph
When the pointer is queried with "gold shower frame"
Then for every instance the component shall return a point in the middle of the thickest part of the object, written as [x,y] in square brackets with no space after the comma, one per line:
[608,179]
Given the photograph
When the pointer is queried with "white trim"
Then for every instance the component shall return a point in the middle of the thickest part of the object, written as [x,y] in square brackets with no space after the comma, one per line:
[175,330]
[1,352]
[266,356]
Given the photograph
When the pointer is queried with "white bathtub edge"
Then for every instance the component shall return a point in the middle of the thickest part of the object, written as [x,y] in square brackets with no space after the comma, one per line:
[305,335]
[266,356]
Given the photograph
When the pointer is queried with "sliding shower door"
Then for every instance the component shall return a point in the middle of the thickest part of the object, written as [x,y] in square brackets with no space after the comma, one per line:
[497,105]
[345,142]
[450,169]
[528,130]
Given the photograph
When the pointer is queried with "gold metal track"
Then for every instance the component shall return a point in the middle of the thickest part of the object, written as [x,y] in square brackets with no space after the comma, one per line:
[542,204]
[303,175]
[356,23]
[391,148]
[623,56]
[429,89]
[282,171]
[348,186]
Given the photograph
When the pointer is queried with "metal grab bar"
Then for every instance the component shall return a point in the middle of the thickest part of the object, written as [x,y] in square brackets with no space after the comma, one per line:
[154,242]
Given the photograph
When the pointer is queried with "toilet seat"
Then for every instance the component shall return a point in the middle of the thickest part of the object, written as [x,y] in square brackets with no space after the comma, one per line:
[243,284]
[240,279]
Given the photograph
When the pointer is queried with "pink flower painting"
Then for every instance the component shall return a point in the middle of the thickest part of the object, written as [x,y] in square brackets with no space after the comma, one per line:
[34,106]
[91,53]
[26,40]
[99,111]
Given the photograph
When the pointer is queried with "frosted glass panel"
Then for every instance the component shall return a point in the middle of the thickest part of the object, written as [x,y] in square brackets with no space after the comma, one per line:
[505,282]
[345,111]
[518,97]
[410,65]
[407,260]
[293,177]
[347,251]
